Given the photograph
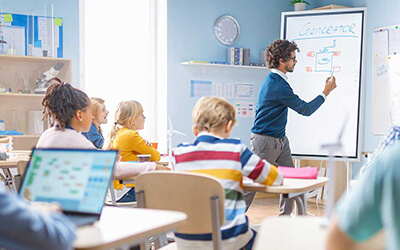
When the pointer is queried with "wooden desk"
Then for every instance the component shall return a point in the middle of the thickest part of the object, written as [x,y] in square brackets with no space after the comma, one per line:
[285,233]
[291,188]
[120,226]
[6,165]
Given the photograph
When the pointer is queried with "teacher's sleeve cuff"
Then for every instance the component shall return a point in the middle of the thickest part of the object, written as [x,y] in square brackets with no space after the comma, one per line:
[323,96]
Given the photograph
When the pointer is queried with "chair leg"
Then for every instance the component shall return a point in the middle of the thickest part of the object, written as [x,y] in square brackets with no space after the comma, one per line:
[216,226]
[301,206]
[112,193]
[161,241]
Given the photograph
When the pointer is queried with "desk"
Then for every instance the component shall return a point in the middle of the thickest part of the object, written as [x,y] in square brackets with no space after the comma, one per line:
[120,226]
[291,188]
[6,165]
[284,233]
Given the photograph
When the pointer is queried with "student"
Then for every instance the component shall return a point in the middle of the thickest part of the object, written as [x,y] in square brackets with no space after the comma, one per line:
[26,226]
[70,109]
[268,138]
[228,160]
[129,118]
[372,205]
[99,116]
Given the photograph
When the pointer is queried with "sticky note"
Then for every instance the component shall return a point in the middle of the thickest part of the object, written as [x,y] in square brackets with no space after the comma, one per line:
[58,21]
[8,18]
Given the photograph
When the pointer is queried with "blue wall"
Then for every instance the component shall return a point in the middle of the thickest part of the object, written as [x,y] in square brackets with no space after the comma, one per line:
[190,37]
[69,11]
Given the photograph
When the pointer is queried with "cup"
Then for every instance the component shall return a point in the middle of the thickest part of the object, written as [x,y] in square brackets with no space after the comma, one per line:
[154,144]
[143,158]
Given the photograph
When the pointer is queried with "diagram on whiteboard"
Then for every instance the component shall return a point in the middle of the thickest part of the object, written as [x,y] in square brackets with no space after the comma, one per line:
[324,59]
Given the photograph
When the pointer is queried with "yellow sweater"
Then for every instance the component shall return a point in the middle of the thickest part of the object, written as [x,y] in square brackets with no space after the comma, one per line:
[130,144]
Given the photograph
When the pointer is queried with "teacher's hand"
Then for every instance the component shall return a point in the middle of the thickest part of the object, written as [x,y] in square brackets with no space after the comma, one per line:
[330,84]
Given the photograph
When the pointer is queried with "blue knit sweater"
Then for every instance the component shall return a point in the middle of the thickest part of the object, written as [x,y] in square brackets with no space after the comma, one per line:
[275,97]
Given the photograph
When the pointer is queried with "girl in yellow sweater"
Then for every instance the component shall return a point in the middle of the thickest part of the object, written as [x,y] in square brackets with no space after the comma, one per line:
[123,136]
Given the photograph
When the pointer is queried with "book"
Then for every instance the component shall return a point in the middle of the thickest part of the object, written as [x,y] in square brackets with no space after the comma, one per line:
[231,55]
[299,173]
[240,56]
[246,56]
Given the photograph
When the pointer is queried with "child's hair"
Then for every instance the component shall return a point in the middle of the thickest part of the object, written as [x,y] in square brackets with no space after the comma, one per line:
[212,113]
[97,106]
[125,115]
[61,101]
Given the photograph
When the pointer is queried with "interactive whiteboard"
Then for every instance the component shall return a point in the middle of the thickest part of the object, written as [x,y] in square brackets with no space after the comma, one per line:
[329,41]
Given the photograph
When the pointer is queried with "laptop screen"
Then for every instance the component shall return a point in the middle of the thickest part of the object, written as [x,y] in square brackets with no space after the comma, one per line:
[77,179]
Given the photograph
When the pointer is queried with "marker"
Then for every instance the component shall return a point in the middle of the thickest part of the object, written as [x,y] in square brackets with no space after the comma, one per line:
[331,76]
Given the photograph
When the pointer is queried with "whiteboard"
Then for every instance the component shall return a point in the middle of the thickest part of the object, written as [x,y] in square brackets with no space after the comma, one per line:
[386,50]
[329,41]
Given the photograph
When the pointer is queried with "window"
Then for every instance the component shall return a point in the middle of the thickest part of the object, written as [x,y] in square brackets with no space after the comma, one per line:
[119,59]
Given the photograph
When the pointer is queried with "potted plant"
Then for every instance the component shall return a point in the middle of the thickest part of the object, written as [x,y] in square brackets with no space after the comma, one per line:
[299,5]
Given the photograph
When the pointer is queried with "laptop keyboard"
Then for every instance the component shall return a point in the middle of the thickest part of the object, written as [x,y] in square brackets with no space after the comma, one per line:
[80,220]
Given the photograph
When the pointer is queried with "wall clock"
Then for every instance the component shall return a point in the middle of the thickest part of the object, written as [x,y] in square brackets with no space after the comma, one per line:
[226,29]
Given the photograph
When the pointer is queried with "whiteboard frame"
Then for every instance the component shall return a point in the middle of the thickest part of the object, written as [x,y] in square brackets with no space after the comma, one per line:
[357,156]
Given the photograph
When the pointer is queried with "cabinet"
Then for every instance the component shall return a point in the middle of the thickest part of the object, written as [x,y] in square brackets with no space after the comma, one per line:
[15,106]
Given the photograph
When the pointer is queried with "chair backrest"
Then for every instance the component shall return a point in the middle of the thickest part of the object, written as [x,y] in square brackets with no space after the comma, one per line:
[185,192]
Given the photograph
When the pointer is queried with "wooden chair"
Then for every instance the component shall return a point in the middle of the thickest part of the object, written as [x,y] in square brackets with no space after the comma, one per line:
[201,197]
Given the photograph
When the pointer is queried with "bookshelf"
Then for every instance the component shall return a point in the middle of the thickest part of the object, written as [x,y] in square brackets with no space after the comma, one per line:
[15,106]
[212,65]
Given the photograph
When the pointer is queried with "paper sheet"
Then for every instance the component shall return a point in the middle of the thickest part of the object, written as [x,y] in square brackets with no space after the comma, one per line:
[245,109]
[381,43]
[14,35]
[223,89]
[244,90]
[200,88]
[44,34]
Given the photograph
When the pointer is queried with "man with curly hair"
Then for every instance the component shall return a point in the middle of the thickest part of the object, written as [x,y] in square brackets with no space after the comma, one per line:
[268,138]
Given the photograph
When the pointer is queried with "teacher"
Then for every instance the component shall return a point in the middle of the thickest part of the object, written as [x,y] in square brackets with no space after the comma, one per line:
[268,139]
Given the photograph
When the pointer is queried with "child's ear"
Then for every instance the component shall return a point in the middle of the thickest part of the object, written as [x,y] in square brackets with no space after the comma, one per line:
[228,126]
[79,115]
[195,131]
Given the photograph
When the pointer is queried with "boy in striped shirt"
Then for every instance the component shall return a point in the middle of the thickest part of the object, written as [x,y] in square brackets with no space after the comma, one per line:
[228,160]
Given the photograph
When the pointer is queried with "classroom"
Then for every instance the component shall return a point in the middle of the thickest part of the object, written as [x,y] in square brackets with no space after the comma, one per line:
[201,124]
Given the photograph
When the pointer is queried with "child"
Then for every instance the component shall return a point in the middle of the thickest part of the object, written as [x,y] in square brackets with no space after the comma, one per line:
[99,115]
[124,136]
[26,226]
[228,160]
[70,109]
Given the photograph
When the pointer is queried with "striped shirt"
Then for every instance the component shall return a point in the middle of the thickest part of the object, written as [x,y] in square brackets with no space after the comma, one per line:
[392,138]
[228,160]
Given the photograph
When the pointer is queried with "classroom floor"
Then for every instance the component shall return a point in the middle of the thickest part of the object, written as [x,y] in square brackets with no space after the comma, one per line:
[265,205]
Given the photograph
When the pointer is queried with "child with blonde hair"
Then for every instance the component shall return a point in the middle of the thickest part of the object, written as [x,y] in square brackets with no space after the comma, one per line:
[129,118]
[228,160]
[71,110]
[99,116]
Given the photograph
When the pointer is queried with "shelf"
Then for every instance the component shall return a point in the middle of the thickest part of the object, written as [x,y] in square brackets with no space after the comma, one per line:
[223,65]
[32,58]
[21,95]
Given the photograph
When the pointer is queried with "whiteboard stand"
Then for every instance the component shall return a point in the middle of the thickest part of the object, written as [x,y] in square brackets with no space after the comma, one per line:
[349,166]
[297,163]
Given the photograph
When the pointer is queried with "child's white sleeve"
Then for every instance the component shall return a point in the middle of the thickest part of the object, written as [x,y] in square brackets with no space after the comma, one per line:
[124,170]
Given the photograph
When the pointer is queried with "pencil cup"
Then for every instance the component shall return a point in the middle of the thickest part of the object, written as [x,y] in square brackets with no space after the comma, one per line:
[143,158]
[154,145]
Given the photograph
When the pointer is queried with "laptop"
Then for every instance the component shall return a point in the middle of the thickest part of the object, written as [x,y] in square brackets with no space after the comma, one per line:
[75,178]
